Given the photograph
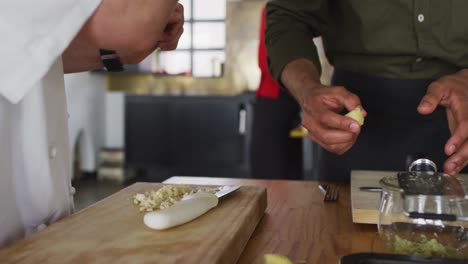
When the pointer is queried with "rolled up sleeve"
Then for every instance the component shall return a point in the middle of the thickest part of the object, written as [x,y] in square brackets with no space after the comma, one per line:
[291,26]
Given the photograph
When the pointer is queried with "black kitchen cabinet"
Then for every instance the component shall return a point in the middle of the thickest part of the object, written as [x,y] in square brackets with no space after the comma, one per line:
[187,135]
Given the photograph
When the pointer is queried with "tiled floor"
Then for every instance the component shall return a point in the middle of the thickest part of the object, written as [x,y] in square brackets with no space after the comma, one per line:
[89,191]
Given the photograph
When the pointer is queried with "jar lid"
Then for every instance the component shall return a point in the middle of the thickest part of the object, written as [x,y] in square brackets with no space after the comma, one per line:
[423,179]
[422,183]
[429,194]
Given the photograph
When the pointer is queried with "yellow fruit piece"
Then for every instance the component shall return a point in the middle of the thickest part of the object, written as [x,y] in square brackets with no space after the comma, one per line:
[298,132]
[276,259]
[356,114]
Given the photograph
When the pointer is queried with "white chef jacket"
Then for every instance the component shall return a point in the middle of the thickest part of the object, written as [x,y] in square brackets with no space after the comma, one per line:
[35,180]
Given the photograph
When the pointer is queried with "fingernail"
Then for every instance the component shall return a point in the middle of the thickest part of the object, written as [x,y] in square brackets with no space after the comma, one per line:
[354,127]
[451,149]
[424,104]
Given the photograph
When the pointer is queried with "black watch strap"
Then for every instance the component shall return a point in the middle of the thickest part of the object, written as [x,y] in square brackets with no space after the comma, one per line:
[111,60]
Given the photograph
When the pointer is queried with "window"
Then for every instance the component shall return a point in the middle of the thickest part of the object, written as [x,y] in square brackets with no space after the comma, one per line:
[201,48]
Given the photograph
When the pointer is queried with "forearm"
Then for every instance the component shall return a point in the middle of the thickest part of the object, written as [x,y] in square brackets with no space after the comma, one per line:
[132,28]
[81,55]
[291,26]
[321,106]
[127,25]
[300,77]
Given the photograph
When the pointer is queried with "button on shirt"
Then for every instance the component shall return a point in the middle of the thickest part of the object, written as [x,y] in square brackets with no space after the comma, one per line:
[381,38]
[35,171]
[421,18]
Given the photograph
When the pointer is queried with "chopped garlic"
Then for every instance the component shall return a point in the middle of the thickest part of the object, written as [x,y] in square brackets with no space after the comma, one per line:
[166,196]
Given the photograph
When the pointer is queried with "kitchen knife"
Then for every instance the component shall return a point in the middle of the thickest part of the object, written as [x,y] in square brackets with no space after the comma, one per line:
[190,207]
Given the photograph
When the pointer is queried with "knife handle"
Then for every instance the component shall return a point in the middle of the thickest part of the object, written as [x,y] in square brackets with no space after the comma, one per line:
[182,212]
[370,189]
[433,216]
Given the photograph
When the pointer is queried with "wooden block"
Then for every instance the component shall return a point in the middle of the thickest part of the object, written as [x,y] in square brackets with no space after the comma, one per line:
[365,204]
[112,230]
[112,155]
[116,174]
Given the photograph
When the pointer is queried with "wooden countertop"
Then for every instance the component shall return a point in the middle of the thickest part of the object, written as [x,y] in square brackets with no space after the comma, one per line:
[298,224]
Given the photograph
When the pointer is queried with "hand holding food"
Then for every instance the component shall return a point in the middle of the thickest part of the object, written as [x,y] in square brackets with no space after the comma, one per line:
[334,132]
[321,105]
[356,114]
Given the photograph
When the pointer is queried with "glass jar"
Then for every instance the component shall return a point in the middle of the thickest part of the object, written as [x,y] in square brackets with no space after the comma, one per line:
[429,224]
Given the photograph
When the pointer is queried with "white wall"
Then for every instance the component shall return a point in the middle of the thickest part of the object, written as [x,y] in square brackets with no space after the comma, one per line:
[86,106]
[115,118]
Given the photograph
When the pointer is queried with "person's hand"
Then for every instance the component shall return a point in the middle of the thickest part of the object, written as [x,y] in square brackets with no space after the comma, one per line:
[134,29]
[173,30]
[452,92]
[321,106]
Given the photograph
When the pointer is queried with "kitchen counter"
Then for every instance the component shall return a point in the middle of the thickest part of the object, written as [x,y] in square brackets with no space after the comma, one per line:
[295,223]
[298,224]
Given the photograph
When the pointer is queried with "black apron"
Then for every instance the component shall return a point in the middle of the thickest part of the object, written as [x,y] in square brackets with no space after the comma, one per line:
[393,132]
[273,153]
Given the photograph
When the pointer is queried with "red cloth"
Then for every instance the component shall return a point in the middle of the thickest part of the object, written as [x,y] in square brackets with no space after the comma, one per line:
[268,86]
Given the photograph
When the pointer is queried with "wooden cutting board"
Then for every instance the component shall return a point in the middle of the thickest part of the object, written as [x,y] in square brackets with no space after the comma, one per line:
[112,231]
[365,205]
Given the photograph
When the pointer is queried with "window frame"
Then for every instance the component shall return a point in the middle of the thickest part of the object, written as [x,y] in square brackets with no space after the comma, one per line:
[191,49]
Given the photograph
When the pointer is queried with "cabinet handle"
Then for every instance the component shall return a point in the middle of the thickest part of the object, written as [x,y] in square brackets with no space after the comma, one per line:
[242,120]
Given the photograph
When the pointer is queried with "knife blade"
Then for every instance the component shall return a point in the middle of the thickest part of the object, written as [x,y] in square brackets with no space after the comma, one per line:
[226,189]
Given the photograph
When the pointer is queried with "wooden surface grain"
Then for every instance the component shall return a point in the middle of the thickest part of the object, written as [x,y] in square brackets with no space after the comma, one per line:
[298,224]
[365,205]
[112,231]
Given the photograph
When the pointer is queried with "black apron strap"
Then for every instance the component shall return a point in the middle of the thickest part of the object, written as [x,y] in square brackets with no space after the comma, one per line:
[393,129]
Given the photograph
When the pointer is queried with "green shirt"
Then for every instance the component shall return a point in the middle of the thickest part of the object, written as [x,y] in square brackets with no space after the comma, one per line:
[387,38]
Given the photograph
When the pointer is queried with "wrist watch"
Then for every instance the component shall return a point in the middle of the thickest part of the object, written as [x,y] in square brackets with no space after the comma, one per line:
[111,60]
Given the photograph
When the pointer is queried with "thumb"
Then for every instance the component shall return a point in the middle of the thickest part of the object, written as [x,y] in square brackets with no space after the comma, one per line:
[430,101]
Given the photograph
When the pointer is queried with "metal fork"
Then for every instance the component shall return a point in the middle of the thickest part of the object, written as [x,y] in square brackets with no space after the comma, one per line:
[332,193]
